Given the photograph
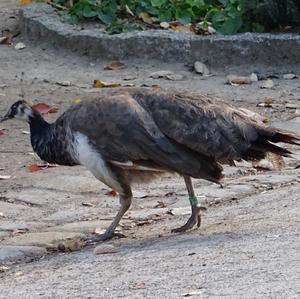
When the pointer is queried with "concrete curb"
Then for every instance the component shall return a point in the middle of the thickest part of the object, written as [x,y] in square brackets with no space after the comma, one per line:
[281,52]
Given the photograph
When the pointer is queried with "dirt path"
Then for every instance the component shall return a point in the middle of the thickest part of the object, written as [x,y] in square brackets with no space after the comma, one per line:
[248,246]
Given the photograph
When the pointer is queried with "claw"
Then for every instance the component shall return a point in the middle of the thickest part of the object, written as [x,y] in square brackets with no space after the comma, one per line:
[103,237]
[193,220]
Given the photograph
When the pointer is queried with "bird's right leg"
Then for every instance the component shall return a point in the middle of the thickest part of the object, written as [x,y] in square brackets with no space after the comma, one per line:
[125,201]
[195,217]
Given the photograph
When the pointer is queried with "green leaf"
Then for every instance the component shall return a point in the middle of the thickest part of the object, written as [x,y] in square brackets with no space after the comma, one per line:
[105,18]
[231,26]
[184,16]
[88,12]
[158,3]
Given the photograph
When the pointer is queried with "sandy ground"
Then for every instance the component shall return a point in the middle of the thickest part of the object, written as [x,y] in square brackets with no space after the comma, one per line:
[248,245]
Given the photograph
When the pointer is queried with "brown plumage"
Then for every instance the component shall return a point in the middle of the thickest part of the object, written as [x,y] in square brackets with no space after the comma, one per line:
[134,134]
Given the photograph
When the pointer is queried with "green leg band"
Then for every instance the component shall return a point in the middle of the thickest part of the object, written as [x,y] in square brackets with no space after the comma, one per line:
[193,201]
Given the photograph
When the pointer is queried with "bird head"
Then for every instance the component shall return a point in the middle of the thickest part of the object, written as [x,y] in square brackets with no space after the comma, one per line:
[19,110]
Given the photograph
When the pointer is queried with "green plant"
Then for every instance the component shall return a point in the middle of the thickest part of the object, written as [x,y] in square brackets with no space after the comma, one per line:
[226,16]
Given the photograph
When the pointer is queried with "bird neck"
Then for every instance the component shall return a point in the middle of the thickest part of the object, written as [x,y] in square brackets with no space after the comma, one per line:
[50,143]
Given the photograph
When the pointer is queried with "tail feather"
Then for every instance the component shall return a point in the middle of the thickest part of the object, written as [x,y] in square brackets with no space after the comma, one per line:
[265,143]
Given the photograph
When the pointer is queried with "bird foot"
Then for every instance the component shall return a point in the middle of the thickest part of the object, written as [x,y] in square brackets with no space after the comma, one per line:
[193,220]
[104,237]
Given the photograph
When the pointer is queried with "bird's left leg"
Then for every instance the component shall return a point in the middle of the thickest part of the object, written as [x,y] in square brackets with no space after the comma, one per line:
[195,217]
[125,201]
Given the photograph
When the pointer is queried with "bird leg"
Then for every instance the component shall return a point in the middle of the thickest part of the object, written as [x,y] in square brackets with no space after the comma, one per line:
[195,218]
[125,201]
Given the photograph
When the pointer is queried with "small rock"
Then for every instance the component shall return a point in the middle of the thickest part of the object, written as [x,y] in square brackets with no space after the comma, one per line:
[105,249]
[201,68]
[253,77]
[63,83]
[268,84]
[164,25]
[161,74]
[174,77]
[289,76]
[3,269]
[5,177]
[237,80]
[20,46]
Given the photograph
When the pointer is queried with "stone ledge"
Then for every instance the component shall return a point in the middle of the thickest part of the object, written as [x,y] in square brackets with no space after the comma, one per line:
[277,52]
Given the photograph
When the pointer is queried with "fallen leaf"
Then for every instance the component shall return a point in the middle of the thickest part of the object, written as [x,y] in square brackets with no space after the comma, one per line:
[20,46]
[70,245]
[44,108]
[76,101]
[24,2]
[267,103]
[267,84]
[137,286]
[5,177]
[115,65]
[34,168]
[101,84]
[160,204]
[145,17]
[201,68]
[111,193]
[20,273]
[105,249]
[2,133]
[4,40]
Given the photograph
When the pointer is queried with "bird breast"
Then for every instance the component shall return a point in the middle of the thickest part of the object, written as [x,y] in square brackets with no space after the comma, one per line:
[89,157]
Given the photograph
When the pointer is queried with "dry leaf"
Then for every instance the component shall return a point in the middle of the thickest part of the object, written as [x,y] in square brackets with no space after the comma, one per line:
[137,286]
[70,245]
[4,40]
[20,273]
[160,204]
[105,249]
[111,193]
[145,17]
[34,168]
[267,103]
[5,177]
[24,2]
[2,133]
[20,46]
[101,84]
[115,65]
[44,108]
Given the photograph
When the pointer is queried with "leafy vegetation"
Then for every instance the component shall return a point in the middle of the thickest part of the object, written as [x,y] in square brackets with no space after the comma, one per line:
[226,16]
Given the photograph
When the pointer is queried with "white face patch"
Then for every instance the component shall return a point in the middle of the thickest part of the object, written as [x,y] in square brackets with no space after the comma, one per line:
[23,113]
[92,160]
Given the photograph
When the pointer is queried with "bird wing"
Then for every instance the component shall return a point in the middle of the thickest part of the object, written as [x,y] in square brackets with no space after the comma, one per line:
[122,130]
[211,128]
